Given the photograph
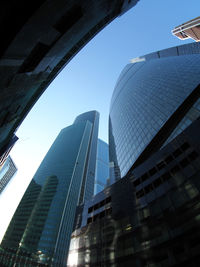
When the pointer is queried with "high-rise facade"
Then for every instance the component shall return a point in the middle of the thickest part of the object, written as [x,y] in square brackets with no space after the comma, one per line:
[102,166]
[40,230]
[7,171]
[87,189]
[151,102]
[151,217]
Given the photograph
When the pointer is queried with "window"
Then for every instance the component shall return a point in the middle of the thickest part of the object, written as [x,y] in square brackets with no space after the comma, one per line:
[140,193]
[161,165]
[102,214]
[89,220]
[96,206]
[137,182]
[108,199]
[191,190]
[95,217]
[152,171]
[184,162]
[146,212]
[108,211]
[144,177]
[185,146]
[99,204]
[193,155]
[157,182]
[166,176]
[177,152]
[175,169]
[148,188]
[102,203]
[90,209]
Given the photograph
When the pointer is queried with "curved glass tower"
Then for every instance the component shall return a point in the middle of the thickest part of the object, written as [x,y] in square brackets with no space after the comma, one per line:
[39,232]
[155,98]
[154,140]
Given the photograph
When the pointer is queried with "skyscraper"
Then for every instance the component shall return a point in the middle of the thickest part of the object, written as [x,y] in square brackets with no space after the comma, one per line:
[102,166]
[40,230]
[87,189]
[147,218]
[151,217]
[6,173]
[156,96]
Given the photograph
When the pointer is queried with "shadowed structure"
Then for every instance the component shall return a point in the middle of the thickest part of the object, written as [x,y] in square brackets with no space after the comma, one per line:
[38,39]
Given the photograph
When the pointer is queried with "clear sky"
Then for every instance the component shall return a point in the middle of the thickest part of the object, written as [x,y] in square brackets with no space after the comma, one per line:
[87,83]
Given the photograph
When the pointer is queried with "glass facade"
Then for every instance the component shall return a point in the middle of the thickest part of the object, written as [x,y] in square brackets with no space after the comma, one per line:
[148,92]
[7,171]
[191,115]
[39,232]
[87,188]
[102,167]
[149,218]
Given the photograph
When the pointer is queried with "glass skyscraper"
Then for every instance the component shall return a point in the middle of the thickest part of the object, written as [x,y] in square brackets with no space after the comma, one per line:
[7,171]
[151,217]
[40,230]
[154,99]
[102,166]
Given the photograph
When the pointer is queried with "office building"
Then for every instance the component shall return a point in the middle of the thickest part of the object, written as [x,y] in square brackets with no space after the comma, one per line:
[7,171]
[42,38]
[155,98]
[189,29]
[39,232]
[102,167]
[151,217]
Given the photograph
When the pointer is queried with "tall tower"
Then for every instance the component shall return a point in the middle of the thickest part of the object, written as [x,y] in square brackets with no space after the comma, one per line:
[40,230]
[87,188]
[154,140]
[155,98]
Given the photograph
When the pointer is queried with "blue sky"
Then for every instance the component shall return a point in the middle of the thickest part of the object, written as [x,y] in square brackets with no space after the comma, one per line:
[87,83]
